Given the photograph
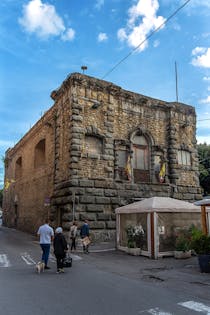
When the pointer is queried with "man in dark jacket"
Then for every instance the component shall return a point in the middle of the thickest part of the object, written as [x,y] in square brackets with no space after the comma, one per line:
[60,248]
[84,233]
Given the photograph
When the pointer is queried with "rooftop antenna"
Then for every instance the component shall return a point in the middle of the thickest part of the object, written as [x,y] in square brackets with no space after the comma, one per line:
[83,69]
[177,97]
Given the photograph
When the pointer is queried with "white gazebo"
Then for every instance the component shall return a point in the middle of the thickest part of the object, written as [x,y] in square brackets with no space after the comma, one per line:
[161,218]
[205,214]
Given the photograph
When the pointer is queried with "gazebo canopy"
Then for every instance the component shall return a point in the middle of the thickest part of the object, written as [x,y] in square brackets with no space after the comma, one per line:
[159,204]
[203,202]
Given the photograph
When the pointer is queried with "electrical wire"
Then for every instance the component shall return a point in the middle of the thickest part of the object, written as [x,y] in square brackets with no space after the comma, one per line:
[146,38]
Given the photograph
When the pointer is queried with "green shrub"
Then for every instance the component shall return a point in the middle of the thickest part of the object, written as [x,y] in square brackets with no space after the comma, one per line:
[183,241]
[200,242]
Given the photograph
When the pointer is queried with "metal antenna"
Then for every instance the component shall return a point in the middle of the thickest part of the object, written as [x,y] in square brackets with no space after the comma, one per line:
[177,98]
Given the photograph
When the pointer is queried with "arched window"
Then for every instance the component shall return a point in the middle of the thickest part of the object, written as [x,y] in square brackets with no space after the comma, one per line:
[140,161]
[39,159]
[18,168]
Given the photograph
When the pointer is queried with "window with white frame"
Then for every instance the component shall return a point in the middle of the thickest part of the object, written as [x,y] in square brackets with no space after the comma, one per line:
[184,157]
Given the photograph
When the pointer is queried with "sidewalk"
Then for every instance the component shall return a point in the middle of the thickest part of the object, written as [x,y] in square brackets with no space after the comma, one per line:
[98,247]
[178,274]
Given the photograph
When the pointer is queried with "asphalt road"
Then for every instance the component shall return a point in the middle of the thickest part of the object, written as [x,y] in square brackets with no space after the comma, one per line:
[97,284]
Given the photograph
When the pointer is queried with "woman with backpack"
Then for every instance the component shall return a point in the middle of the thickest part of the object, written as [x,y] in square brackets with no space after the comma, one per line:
[60,248]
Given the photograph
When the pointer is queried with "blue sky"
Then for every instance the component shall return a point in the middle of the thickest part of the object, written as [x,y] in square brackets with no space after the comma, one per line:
[43,41]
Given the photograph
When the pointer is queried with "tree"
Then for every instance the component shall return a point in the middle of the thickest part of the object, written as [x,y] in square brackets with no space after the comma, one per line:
[204,167]
[1,197]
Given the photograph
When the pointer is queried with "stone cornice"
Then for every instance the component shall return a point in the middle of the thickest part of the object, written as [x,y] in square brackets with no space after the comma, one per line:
[78,79]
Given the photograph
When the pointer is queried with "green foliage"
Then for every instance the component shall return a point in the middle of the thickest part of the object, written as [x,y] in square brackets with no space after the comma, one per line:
[200,242]
[131,243]
[135,236]
[1,197]
[183,241]
[204,166]
[182,244]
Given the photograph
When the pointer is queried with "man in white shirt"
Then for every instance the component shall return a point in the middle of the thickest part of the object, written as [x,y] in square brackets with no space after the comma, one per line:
[46,234]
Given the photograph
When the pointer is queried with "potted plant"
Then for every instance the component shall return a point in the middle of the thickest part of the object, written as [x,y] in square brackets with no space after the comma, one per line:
[134,239]
[200,243]
[183,245]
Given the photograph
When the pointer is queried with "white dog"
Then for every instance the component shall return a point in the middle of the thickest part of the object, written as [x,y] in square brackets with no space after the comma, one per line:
[40,267]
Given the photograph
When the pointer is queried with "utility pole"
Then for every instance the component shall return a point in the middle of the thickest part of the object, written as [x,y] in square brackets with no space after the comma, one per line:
[177,97]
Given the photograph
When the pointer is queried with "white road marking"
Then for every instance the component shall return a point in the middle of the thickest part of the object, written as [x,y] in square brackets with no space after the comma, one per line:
[75,257]
[27,258]
[4,261]
[197,307]
[52,258]
[157,311]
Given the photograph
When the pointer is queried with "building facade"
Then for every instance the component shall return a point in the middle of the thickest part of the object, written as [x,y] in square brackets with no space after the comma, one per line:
[97,148]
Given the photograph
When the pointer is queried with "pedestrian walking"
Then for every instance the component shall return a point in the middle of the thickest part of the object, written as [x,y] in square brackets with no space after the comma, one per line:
[73,235]
[46,234]
[84,233]
[60,248]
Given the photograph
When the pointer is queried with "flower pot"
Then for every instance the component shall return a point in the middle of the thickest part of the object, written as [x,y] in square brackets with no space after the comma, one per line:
[179,254]
[204,263]
[134,251]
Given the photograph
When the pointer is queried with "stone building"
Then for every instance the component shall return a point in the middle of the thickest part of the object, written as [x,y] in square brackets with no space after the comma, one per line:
[97,148]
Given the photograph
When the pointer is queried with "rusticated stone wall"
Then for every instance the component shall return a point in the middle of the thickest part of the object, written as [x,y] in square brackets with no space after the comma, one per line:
[90,124]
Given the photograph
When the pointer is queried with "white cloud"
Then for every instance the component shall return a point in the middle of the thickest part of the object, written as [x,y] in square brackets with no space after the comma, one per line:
[68,35]
[142,20]
[202,139]
[121,34]
[99,4]
[198,50]
[176,26]
[206,35]
[156,43]
[102,37]
[206,78]
[42,19]
[202,57]
[206,100]
[198,3]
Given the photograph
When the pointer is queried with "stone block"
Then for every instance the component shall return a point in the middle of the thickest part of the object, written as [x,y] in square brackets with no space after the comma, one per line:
[88,216]
[110,193]
[102,200]
[97,225]
[103,216]
[86,183]
[67,217]
[95,191]
[110,224]
[87,199]
[95,208]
